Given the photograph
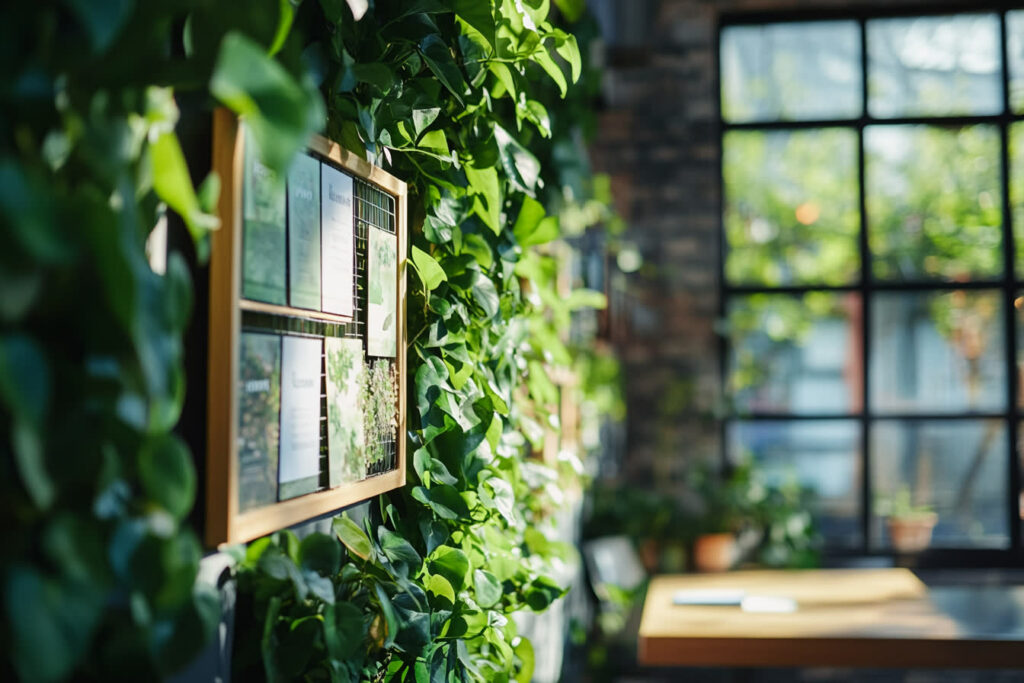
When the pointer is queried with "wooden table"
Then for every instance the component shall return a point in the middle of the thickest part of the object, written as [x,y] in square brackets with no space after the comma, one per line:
[877,618]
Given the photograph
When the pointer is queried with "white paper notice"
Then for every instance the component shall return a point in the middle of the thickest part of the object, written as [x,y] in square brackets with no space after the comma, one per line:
[381,318]
[336,241]
[300,410]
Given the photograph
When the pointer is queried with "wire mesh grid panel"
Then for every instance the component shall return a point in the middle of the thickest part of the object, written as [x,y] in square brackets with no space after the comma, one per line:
[374,209]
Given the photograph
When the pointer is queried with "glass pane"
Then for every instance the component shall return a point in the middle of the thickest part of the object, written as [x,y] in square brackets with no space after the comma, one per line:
[1018,306]
[795,354]
[1015,58]
[956,468]
[791,208]
[934,66]
[933,202]
[808,70]
[823,455]
[1017,191]
[937,352]
[1020,466]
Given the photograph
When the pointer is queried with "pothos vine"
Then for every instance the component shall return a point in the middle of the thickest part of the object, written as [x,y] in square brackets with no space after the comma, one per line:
[461,98]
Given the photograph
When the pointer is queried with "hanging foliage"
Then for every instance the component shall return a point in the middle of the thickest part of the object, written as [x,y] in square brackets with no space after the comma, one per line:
[463,100]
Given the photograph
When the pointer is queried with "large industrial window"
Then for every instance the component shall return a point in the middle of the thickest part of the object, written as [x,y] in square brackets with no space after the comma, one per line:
[873,183]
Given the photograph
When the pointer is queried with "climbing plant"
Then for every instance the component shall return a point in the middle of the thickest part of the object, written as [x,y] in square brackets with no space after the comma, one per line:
[98,565]
[462,99]
[446,95]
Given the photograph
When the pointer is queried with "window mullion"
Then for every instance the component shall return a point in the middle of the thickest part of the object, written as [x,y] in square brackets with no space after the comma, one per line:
[865,293]
[1009,295]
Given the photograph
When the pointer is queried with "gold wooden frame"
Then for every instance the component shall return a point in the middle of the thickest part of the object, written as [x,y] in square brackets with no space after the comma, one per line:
[224,522]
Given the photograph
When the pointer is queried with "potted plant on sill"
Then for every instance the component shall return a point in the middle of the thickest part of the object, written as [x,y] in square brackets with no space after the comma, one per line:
[726,509]
[910,526]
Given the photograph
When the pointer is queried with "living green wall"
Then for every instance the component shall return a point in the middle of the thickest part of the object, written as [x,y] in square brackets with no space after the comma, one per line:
[473,104]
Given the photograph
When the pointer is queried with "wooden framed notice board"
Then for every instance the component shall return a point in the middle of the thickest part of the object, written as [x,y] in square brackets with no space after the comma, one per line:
[306,395]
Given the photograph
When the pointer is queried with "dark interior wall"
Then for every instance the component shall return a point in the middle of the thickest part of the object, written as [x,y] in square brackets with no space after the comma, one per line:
[659,141]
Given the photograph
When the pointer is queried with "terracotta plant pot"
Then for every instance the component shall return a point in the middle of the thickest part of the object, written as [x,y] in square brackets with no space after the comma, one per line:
[650,554]
[714,552]
[911,534]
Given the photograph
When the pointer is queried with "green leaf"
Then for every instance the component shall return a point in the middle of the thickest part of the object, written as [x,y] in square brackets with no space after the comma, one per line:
[27,207]
[431,380]
[443,499]
[524,652]
[440,473]
[281,112]
[415,631]
[551,68]
[531,213]
[50,623]
[31,463]
[520,165]
[319,586]
[286,15]
[374,73]
[488,588]
[438,58]
[268,643]
[102,19]
[486,295]
[484,183]
[24,378]
[532,226]
[320,553]
[477,246]
[572,10]
[586,298]
[496,428]
[541,592]
[421,464]
[388,610]
[296,645]
[167,474]
[479,15]
[344,630]
[397,549]
[430,272]
[546,231]
[434,533]
[422,118]
[354,538]
[504,499]
[570,52]
[441,587]
[506,78]
[434,140]
[475,52]
[538,113]
[452,564]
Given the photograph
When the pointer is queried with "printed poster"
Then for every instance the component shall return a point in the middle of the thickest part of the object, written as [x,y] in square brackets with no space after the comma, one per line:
[304,233]
[345,439]
[382,300]
[299,471]
[263,229]
[337,241]
[259,404]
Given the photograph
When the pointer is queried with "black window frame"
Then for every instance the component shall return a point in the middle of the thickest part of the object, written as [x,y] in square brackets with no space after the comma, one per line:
[1009,285]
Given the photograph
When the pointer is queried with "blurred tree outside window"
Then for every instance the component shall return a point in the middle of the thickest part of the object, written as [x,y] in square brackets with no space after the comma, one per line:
[873,267]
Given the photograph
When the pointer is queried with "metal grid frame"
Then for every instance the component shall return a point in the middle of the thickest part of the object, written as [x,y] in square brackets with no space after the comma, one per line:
[1007,286]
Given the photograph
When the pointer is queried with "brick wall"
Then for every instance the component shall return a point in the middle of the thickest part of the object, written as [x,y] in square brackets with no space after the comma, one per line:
[658,140]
